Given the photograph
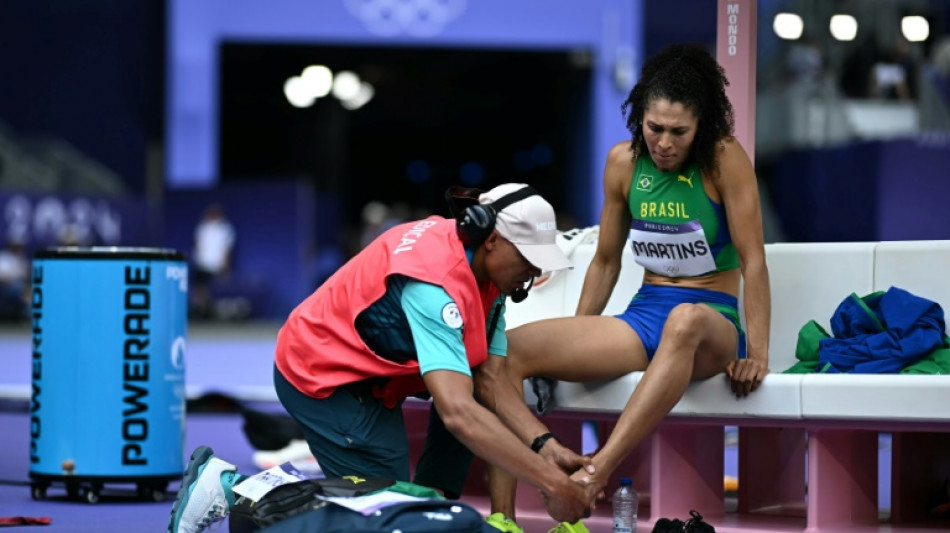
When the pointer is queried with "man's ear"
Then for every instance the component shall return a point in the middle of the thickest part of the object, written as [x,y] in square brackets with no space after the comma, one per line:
[492,240]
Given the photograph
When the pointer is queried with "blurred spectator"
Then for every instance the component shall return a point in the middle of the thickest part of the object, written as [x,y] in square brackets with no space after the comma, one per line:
[804,62]
[935,89]
[399,213]
[939,71]
[378,217]
[14,282]
[373,216]
[214,245]
[856,71]
[893,75]
[941,57]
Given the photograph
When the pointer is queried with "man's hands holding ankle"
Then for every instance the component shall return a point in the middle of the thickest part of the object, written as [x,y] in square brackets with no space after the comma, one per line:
[565,458]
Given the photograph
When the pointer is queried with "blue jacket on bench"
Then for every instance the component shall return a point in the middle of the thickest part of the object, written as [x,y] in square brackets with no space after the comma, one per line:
[881,333]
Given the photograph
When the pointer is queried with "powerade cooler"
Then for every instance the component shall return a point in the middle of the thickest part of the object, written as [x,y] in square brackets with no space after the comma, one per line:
[108,372]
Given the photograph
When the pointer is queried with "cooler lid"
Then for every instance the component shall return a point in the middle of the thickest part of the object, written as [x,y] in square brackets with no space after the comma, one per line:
[109,252]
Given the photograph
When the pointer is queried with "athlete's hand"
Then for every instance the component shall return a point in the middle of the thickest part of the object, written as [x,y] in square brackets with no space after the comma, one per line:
[746,375]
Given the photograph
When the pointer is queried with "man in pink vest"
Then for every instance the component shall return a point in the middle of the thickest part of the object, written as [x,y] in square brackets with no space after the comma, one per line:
[420,311]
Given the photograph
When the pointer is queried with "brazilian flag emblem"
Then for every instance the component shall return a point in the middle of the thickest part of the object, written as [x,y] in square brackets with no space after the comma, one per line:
[645,183]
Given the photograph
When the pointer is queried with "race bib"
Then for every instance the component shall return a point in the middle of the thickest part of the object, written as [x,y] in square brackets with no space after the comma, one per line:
[674,250]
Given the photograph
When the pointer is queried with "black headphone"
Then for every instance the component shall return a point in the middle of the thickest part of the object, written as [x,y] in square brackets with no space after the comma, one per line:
[475,222]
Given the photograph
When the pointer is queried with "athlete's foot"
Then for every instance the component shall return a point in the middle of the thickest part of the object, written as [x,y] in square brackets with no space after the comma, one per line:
[502,523]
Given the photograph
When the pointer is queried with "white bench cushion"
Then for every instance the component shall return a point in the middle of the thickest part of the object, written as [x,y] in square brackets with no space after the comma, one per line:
[876,396]
[779,397]
[628,282]
[919,267]
[808,281]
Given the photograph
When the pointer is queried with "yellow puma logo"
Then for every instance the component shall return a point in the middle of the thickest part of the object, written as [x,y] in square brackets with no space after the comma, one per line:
[355,479]
[687,180]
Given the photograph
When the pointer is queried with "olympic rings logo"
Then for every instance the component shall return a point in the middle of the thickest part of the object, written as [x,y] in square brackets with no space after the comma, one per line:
[418,18]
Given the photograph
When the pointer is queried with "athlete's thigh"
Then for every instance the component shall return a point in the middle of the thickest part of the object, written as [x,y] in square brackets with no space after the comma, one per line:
[718,346]
[581,348]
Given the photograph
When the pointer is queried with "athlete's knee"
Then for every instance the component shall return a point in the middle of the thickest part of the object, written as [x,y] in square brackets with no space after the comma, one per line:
[518,362]
[518,369]
[684,323]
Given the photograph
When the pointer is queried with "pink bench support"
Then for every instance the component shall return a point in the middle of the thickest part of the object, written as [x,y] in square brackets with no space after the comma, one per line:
[688,467]
[842,479]
[772,471]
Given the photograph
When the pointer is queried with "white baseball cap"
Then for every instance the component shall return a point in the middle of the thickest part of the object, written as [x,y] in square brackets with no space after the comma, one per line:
[530,225]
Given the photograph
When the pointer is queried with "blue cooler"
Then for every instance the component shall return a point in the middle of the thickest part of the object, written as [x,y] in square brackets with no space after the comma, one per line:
[108,370]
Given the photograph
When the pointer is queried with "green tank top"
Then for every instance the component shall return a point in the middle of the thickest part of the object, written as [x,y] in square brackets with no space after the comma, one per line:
[677,230]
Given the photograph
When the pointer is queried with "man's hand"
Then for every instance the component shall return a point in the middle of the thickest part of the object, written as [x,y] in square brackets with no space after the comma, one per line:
[593,486]
[568,502]
[745,375]
[565,458]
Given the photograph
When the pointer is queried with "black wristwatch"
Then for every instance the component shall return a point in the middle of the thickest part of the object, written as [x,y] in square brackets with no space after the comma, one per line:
[539,442]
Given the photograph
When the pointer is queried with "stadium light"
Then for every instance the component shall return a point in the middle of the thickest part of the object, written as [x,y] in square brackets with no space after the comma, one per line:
[843,27]
[788,26]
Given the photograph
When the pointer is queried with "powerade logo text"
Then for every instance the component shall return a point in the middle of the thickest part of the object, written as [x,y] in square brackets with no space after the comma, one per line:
[37,305]
[135,365]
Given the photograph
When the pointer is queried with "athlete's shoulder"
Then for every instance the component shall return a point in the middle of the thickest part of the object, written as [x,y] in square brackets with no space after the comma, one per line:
[731,153]
[620,163]
[621,153]
[729,145]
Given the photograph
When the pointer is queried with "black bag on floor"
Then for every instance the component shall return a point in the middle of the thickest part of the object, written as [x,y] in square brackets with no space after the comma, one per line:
[425,516]
[267,431]
[695,524]
[294,498]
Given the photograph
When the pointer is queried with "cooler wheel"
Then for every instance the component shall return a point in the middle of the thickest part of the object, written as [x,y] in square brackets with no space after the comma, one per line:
[155,493]
[91,495]
[38,492]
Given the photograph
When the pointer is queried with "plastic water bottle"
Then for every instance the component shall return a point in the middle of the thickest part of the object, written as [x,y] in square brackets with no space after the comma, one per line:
[625,504]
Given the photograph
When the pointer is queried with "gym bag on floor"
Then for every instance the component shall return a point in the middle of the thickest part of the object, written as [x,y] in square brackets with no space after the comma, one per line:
[292,499]
[424,516]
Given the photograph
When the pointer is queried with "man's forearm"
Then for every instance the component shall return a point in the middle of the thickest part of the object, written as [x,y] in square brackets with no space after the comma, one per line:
[505,401]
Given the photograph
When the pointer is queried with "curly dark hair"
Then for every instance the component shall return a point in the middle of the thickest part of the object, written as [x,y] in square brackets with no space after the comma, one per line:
[687,74]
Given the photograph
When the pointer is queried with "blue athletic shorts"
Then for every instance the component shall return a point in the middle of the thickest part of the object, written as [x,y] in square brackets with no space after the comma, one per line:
[649,308]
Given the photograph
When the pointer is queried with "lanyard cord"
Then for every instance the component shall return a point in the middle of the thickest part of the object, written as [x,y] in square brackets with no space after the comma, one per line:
[494,322]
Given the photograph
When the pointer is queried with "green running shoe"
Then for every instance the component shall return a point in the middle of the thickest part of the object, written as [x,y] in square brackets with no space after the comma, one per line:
[502,523]
[564,527]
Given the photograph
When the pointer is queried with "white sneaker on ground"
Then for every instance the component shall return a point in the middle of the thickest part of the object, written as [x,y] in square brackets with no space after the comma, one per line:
[202,499]
[297,452]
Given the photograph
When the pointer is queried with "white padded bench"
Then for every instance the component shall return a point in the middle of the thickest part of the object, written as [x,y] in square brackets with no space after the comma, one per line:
[832,420]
